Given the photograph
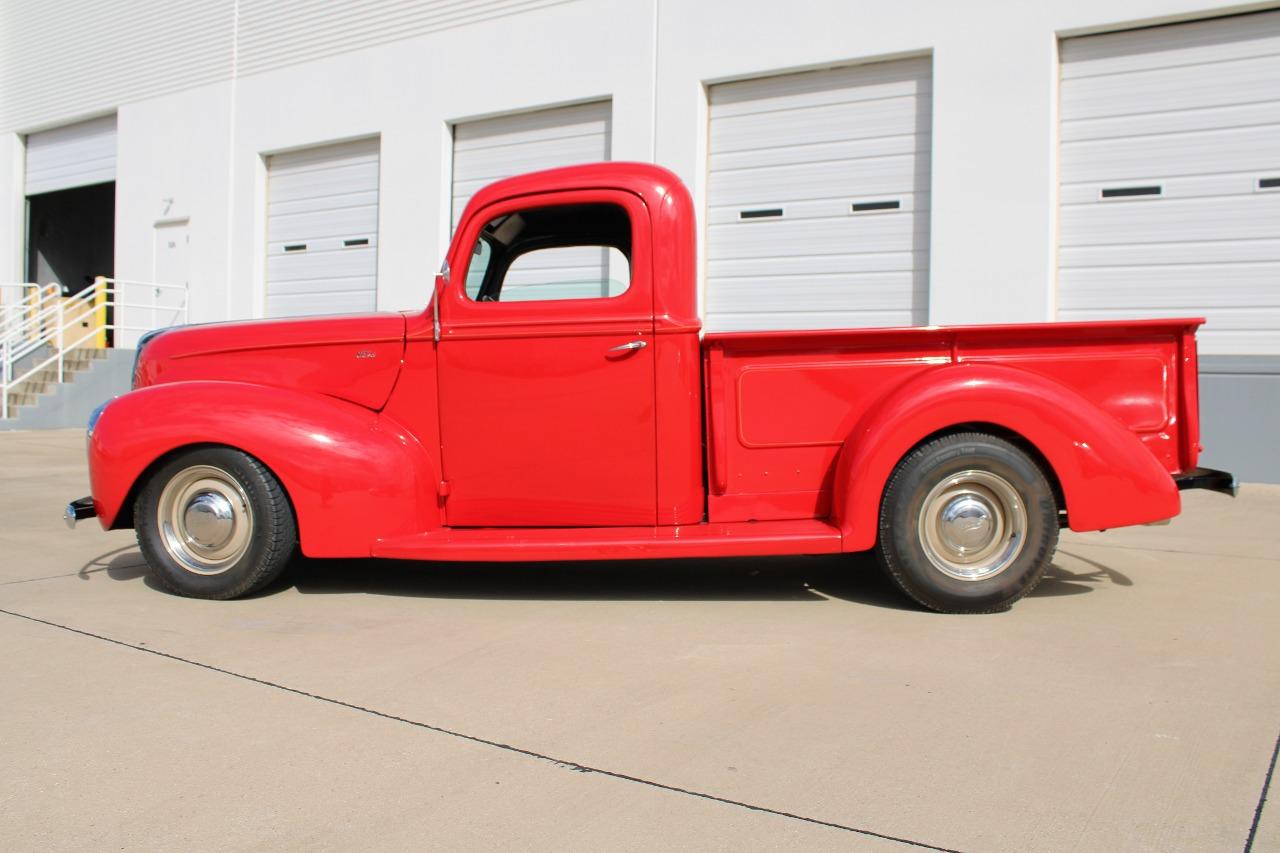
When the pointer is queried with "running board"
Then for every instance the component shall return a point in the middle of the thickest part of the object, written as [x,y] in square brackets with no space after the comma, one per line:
[724,539]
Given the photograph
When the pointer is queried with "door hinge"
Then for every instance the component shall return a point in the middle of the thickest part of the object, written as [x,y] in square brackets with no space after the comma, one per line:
[444,488]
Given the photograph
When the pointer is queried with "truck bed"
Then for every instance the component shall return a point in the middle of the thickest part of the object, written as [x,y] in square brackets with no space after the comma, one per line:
[781,405]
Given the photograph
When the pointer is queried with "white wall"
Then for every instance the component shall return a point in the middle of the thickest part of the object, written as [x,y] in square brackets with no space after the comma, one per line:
[172,163]
[994,127]
[994,172]
[408,92]
[13,208]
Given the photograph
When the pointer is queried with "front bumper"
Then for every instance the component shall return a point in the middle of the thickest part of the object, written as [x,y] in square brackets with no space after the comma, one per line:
[78,510]
[1208,478]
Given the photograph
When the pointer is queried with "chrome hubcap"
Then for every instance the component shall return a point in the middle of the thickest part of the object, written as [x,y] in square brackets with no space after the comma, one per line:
[209,520]
[973,525]
[205,520]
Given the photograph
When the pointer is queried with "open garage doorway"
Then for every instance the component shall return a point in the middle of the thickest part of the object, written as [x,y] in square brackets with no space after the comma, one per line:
[71,236]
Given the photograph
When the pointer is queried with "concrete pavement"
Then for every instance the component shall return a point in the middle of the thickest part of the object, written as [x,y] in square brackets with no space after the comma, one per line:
[1131,703]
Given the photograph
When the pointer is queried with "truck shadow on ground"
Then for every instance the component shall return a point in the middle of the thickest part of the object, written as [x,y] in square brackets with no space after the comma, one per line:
[853,578]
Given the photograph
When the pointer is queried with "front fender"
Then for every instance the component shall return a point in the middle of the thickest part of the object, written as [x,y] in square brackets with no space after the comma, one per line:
[353,476]
[1108,478]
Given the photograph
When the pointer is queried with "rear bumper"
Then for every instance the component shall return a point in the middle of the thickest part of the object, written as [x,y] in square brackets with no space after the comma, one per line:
[1208,478]
[78,510]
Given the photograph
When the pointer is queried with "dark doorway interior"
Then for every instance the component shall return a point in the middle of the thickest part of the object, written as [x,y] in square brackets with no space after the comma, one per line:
[71,236]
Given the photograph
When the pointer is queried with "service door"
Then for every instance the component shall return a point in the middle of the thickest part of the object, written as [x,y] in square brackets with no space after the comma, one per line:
[546,369]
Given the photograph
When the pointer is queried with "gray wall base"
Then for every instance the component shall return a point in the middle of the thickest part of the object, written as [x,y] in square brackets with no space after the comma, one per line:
[71,403]
[1240,416]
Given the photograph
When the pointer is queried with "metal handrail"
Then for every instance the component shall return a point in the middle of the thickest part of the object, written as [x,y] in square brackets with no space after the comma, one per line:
[50,318]
[28,308]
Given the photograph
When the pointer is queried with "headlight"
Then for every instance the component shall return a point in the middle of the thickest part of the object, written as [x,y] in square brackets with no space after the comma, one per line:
[93,418]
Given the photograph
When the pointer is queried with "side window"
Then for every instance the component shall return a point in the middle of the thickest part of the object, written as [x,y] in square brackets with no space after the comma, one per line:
[567,272]
[579,251]
[480,257]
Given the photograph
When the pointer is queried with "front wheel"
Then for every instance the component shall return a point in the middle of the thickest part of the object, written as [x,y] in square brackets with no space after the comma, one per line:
[968,524]
[214,523]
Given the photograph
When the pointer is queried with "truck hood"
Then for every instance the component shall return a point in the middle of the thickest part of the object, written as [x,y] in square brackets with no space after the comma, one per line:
[355,358]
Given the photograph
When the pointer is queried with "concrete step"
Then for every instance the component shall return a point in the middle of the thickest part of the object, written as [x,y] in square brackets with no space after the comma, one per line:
[107,373]
[45,380]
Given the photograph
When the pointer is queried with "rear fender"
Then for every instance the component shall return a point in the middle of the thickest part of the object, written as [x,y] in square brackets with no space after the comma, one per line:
[1108,478]
[353,476]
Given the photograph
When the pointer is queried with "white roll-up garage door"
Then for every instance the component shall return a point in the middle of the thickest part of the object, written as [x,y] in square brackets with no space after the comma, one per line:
[322,230]
[76,155]
[1170,175]
[487,150]
[818,199]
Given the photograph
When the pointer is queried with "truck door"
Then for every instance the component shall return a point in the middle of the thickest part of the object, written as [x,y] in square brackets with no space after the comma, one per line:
[546,365]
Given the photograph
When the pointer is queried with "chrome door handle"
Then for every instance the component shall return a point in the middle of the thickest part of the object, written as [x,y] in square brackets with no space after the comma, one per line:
[629,346]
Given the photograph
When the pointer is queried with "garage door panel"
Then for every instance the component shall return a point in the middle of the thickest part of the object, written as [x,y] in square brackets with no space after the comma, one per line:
[79,174]
[1210,41]
[817,237]
[335,222]
[521,128]
[1246,81]
[885,291]
[1198,186]
[1254,285]
[820,208]
[1194,153]
[1181,252]
[490,164]
[318,199]
[352,179]
[312,303]
[854,149]
[1172,121]
[877,81]
[1251,217]
[325,157]
[76,155]
[890,175]
[306,205]
[833,123]
[334,263]
[302,286]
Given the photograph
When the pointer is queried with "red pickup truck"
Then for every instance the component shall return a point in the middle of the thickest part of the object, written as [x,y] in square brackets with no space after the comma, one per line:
[556,400]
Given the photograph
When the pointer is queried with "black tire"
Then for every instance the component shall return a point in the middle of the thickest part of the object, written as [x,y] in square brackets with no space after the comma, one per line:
[968,524]
[181,517]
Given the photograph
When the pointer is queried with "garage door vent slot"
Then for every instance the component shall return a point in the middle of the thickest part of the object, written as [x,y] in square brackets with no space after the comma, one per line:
[296,247]
[867,206]
[761,213]
[1269,183]
[1128,192]
[356,241]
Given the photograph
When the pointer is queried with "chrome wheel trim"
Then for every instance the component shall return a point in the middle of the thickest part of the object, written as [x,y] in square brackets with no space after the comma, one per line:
[973,525]
[205,520]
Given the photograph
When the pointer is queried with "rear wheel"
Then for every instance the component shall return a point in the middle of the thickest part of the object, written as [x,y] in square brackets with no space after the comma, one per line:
[968,524]
[214,523]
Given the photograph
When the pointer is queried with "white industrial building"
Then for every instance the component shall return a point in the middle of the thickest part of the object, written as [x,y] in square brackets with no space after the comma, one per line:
[854,163]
